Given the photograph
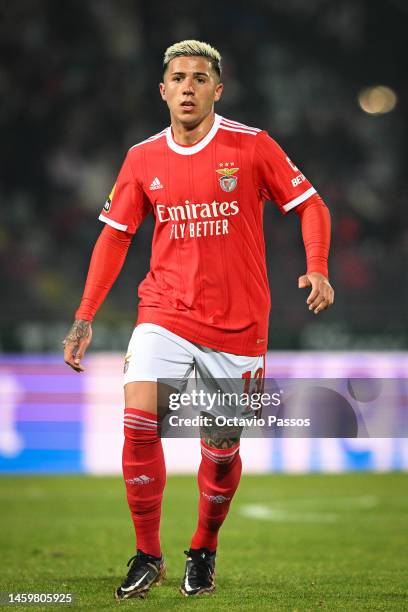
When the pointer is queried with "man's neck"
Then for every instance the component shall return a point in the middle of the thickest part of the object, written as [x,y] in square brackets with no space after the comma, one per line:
[189,135]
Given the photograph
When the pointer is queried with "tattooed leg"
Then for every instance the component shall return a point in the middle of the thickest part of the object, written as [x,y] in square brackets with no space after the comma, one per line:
[218,436]
[218,479]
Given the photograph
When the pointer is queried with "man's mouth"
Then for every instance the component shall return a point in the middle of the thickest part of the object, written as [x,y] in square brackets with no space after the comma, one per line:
[187,104]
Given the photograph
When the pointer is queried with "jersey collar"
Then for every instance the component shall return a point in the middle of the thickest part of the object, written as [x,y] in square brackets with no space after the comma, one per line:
[199,146]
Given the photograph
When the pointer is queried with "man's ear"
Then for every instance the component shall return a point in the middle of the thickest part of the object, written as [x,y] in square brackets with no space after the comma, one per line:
[162,89]
[218,92]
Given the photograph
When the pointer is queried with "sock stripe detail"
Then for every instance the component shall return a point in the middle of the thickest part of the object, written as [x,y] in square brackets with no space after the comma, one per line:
[219,455]
[139,418]
[217,459]
[139,421]
[230,453]
[220,451]
[141,414]
[141,428]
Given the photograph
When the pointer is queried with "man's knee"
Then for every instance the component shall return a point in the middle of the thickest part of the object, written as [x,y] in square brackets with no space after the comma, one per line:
[141,395]
[220,437]
[148,396]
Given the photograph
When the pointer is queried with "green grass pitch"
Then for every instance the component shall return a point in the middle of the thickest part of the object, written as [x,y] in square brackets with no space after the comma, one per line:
[313,542]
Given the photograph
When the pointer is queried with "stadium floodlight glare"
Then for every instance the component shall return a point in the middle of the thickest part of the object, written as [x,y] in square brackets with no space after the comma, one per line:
[377,100]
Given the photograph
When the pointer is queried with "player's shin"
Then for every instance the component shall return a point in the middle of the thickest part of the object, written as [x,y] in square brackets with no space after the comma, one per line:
[218,478]
[144,473]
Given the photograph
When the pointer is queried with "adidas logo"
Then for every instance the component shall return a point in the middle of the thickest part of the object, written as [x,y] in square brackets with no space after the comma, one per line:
[155,184]
[216,499]
[140,480]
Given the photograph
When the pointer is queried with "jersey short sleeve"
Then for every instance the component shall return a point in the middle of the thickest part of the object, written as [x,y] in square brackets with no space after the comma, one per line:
[127,204]
[276,176]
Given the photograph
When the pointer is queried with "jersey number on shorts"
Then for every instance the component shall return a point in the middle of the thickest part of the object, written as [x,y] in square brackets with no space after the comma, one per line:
[257,378]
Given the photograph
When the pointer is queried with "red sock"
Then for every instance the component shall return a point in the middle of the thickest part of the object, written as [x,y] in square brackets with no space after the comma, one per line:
[144,472]
[218,479]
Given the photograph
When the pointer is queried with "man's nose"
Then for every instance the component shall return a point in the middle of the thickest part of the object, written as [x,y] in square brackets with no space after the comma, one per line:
[188,86]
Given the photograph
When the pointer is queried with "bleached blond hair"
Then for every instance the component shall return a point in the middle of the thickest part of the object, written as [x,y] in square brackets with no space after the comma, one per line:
[191,48]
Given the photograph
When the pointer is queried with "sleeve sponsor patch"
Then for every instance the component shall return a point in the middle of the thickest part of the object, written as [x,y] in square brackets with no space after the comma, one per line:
[108,203]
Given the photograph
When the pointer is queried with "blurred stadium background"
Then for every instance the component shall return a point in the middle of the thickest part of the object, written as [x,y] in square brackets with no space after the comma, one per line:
[78,83]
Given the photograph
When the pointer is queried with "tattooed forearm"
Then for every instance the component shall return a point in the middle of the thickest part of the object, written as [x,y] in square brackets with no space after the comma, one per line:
[78,331]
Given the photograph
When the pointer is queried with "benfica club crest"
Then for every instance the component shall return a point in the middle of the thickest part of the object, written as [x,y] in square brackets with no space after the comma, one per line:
[227,180]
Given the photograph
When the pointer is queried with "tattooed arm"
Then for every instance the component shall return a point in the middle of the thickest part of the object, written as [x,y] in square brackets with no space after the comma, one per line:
[76,342]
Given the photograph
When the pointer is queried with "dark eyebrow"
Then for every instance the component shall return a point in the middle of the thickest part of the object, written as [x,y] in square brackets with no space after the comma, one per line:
[206,74]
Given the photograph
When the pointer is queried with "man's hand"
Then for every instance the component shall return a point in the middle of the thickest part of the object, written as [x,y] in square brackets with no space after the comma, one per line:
[76,342]
[322,293]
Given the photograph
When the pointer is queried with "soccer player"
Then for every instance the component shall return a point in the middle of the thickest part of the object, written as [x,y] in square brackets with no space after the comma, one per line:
[205,302]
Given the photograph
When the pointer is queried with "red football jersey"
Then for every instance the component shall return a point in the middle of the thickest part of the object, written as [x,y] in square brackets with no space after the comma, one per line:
[207,280]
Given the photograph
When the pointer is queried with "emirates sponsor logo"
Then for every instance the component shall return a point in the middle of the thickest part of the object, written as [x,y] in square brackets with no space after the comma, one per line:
[188,210]
[191,220]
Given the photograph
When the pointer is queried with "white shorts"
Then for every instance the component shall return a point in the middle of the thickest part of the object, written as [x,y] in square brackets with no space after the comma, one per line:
[156,353]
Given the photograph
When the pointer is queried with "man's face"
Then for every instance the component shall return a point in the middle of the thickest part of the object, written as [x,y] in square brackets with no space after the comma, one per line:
[190,88]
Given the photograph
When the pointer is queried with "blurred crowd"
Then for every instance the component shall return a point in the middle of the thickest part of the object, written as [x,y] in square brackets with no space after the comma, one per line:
[79,86]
